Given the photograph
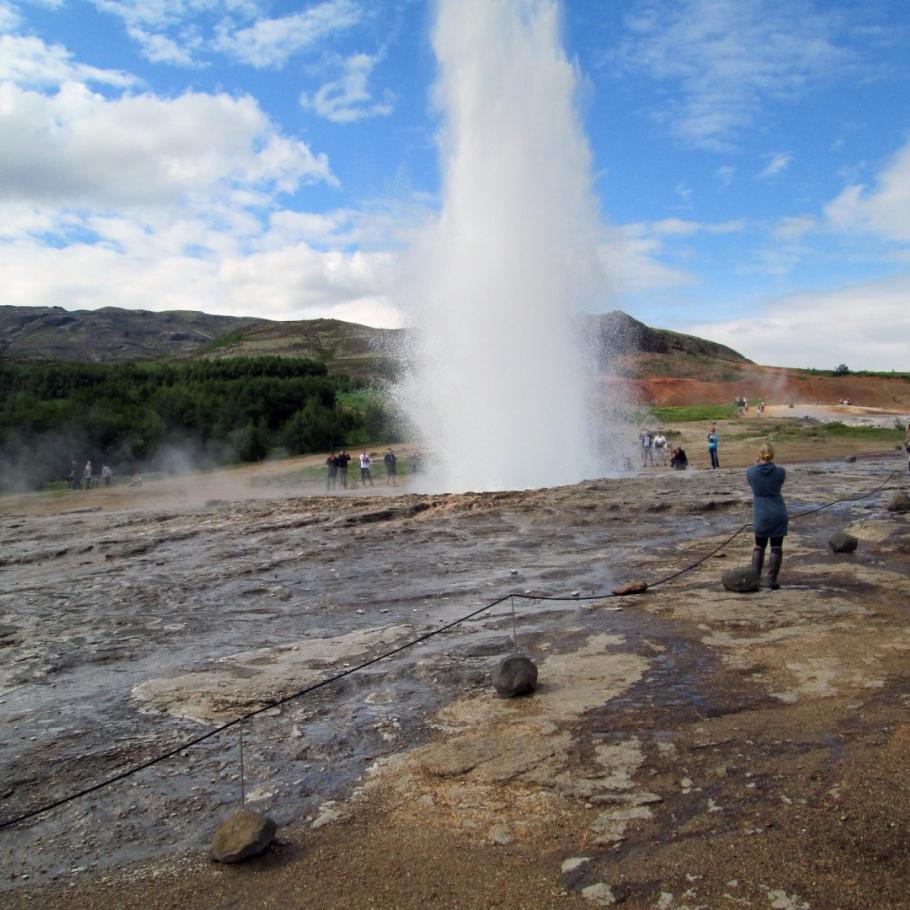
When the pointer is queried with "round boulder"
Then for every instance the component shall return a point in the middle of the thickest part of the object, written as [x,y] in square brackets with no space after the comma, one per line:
[244,834]
[515,675]
[741,581]
[900,502]
[842,542]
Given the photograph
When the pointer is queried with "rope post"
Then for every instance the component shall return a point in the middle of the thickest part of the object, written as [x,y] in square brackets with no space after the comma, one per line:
[514,624]
[242,770]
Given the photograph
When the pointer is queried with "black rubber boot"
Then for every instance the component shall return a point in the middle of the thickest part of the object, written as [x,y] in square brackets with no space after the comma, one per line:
[777,557]
[758,559]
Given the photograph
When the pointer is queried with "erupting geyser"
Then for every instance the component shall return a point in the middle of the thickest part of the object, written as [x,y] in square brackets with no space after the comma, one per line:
[497,288]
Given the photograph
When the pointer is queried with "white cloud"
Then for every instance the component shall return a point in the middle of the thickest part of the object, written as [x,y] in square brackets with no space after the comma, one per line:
[191,265]
[347,99]
[9,18]
[793,228]
[777,163]
[865,326]
[158,14]
[680,227]
[159,48]
[28,61]
[270,42]
[728,57]
[725,174]
[629,256]
[882,208]
[76,147]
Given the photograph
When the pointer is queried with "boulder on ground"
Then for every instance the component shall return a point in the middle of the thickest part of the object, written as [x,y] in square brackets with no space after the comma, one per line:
[850,459]
[244,834]
[900,502]
[842,542]
[741,581]
[631,587]
[515,675]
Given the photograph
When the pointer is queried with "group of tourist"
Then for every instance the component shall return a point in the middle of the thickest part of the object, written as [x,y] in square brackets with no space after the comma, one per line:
[86,478]
[337,469]
[655,450]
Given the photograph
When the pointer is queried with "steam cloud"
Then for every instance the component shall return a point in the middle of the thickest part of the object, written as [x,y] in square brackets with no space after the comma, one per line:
[501,390]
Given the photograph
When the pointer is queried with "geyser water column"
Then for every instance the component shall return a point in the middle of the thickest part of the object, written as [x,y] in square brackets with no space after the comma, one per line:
[498,286]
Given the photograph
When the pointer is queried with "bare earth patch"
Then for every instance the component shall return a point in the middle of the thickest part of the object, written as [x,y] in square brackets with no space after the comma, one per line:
[687,748]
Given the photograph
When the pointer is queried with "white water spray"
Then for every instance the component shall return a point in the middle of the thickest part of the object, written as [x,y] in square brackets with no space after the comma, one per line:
[498,287]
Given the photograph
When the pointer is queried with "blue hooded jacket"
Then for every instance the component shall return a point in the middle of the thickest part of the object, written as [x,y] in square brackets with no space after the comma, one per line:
[769,513]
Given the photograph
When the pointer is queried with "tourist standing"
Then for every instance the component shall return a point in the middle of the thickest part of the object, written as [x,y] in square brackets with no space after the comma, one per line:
[343,460]
[660,448]
[390,468]
[769,512]
[107,475]
[365,470]
[87,474]
[331,477]
[713,440]
[645,439]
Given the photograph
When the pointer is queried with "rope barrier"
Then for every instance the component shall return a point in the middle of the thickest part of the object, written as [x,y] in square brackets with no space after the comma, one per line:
[300,693]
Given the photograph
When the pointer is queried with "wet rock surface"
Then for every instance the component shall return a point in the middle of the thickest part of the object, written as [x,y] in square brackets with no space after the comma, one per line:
[693,747]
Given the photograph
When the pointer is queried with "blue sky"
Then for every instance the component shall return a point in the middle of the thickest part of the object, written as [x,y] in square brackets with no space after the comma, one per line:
[751,161]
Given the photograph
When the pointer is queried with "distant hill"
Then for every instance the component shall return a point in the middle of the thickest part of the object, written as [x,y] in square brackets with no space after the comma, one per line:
[112,335]
[108,335]
[348,347]
[622,335]
[659,366]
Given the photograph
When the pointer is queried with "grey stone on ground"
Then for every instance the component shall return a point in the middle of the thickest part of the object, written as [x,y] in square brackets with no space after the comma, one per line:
[744,580]
[900,502]
[842,542]
[850,459]
[600,894]
[242,835]
[515,675]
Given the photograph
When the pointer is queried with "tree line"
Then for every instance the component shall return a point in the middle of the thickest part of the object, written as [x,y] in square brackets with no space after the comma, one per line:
[163,416]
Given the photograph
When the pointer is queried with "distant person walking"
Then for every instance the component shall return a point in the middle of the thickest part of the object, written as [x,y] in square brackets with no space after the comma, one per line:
[660,448]
[391,468]
[331,477]
[713,441]
[646,456]
[107,475]
[365,475]
[87,474]
[769,512]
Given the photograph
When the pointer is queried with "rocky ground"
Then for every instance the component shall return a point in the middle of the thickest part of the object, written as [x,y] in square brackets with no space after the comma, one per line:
[687,747]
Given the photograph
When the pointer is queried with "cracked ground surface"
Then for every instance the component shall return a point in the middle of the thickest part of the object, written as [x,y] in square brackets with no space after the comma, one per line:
[688,747]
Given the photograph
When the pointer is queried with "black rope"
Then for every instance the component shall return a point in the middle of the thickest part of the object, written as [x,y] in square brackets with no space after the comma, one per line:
[196,740]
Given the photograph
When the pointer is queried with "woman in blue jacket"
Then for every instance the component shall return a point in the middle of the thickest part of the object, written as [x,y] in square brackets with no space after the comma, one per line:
[769,512]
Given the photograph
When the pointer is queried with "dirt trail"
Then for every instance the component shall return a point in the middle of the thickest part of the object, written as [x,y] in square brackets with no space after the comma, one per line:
[687,748]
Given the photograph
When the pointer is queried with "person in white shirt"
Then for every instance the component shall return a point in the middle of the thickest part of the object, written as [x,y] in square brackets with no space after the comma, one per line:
[365,470]
[660,447]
